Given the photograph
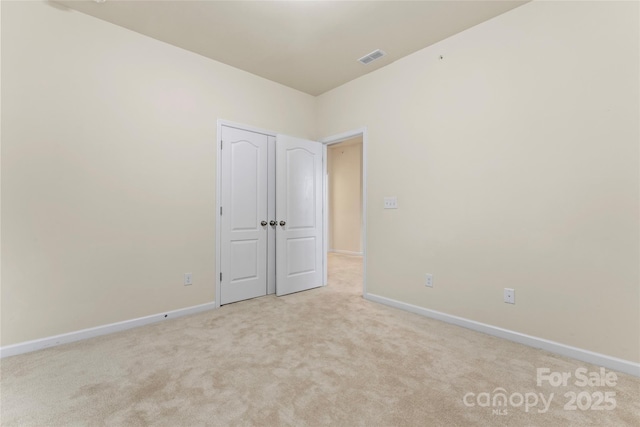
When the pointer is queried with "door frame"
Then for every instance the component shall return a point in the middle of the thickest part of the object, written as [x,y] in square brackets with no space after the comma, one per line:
[330,140]
[219,125]
[336,139]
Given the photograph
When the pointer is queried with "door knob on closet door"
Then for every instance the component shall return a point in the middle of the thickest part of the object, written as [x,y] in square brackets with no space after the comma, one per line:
[272,223]
[282,223]
[263,223]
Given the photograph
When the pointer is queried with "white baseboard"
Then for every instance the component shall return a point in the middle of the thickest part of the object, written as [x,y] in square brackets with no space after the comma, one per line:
[28,346]
[340,251]
[626,366]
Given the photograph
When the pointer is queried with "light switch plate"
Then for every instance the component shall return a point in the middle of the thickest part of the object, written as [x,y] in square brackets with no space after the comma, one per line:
[391,202]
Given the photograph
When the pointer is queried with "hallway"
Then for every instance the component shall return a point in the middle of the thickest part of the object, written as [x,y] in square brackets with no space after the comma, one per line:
[345,273]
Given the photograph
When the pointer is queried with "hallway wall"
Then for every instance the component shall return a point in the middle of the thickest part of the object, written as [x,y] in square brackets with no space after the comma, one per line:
[345,196]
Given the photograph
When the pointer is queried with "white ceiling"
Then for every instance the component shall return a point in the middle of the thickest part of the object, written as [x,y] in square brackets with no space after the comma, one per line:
[312,46]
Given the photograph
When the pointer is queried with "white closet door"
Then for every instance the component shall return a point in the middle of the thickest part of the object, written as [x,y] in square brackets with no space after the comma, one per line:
[244,219]
[299,215]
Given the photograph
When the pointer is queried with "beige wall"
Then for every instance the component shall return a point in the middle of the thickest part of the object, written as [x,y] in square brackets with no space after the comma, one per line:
[108,168]
[515,162]
[514,159]
[345,196]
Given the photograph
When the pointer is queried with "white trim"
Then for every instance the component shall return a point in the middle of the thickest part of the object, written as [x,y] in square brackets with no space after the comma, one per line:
[340,251]
[220,123]
[365,139]
[626,366]
[325,214]
[241,126]
[335,139]
[39,344]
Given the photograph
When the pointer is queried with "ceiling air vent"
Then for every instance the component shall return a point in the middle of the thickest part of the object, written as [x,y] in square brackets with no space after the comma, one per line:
[369,58]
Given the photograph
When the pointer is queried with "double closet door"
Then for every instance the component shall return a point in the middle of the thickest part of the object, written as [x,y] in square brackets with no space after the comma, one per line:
[271,215]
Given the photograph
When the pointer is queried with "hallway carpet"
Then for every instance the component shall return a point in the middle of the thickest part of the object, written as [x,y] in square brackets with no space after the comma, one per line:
[321,357]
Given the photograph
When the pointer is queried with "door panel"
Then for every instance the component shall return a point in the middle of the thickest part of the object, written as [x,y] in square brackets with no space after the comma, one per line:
[244,260]
[244,206]
[300,189]
[302,255]
[299,204]
[245,186]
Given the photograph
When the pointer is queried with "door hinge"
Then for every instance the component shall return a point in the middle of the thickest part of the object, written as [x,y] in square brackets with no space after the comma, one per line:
[221,277]
[221,144]
[220,210]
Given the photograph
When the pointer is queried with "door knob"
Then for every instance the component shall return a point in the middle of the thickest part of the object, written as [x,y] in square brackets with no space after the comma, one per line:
[263,223]
[272,223]
[282,223]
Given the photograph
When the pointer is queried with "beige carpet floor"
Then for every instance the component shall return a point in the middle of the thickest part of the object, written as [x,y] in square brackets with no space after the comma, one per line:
[321,357]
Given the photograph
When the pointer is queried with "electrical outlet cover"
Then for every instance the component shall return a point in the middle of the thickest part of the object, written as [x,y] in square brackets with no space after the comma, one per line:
[509,296]
[428,280]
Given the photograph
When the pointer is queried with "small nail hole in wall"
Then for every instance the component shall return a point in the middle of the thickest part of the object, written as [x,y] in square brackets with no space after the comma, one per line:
[441,57]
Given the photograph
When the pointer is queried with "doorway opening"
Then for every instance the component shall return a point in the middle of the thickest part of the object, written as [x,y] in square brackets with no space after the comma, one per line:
[344,193]
[345,202]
